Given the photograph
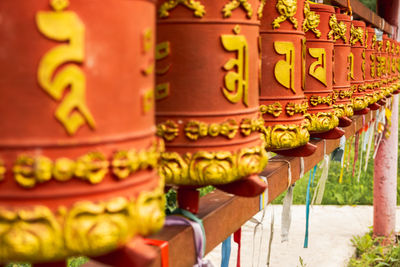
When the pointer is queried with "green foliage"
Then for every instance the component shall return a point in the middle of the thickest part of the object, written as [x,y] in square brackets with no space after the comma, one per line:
[72,262]
[371,4]
[371,252]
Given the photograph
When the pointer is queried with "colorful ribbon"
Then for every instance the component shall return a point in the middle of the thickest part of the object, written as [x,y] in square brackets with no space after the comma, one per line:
[226,252]
[312,175]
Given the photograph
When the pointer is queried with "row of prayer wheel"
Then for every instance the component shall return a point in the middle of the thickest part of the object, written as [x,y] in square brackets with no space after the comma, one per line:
[87,87]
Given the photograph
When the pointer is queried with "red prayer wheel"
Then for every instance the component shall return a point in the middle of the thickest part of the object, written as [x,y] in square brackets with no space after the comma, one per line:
[78,150]
[384,65]
[370,68]
[393,78]
[207,91]
[282,100]
[340,25]
[358,68]
[397,66]
[380,62]
[318,70]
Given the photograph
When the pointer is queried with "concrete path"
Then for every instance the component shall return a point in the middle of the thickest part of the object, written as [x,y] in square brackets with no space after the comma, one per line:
[330,231]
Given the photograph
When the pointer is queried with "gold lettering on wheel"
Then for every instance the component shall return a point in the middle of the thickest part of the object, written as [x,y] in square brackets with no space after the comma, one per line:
[147,48]
[373,64]
[66,27]
[163,50]
[236,83]
[350,61]
[284,69]
[318,68]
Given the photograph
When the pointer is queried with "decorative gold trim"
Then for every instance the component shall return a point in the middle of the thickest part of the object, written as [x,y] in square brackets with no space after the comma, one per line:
[344,93]
[37,234]
[261,8]
[168,130]
[195,129]
[311,20]
[287,10]
[356,34]
[233,4]
[292,108]
[168,5]
[272,109]
[211,168]
[373,41]
[360,102]
[321,122]
[339,110]
[92,167]
[349,110]
[285,136]
[338,29]
[2,170]
[317,100]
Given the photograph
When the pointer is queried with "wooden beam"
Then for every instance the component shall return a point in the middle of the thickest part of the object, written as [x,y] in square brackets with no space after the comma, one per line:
[223,214]
[365,14]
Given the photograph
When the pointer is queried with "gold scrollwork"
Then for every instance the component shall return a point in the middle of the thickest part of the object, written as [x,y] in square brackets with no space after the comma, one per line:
[66,27]
[168,5]
[360,103]
[236,82]
[195,129]
[248,126]
[356,35]
[321,121]
[287,10]
[338,29]
[380,45]
[261,8]
[38,234]
[363,64]
[316,100]
[92,167]
[167,130]
[273,109]
[372,65]
[344,93]
[342,110]
[292,108]
[285,136]
[311,20]
[373,41]
[204,168]
[233,4]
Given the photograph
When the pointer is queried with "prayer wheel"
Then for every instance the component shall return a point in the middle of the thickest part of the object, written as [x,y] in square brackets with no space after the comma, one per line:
[397,66]
[358,68]
[282,100]
[340,25]
[207,107]
[384,65]
[379,85]
[78,151]
[318,71]
[393,67]
[370,69]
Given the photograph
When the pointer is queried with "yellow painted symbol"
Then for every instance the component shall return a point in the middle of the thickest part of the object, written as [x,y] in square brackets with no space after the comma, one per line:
[350,60]
[163,50]
[373,64]
[363,64]
[147,45]
[303,63]
[147,100]
[284,69]
[236,83]
[65,27]
[318,68]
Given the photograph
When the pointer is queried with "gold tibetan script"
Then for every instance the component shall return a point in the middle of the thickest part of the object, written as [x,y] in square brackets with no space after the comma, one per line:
[236,83]
[284,69]
[162,51]
[318,68]
[66,27]
[350,60]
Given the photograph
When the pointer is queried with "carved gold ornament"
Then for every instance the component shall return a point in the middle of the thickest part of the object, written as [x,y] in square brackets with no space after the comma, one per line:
[196,129]
[233,4]
[92,167]
[356,35]
[372,65]
[66,28]
[167,130]
[363,64]
[261,8]
[248,126]
[168,5]
[292,108]
[272,109]
[380,45]
[311,20]
[317,100]
[338,29]
[373,41]
[321,121]
[205,168]
[387,47]
[339,110]
[39,234]
[359,103]
[285,136]
[344,93]
[287,10]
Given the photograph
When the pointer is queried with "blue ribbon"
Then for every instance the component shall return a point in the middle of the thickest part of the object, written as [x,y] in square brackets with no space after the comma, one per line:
[310,180]
[226,252]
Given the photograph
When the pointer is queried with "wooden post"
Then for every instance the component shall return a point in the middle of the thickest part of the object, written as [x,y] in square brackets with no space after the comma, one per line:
[385,180]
